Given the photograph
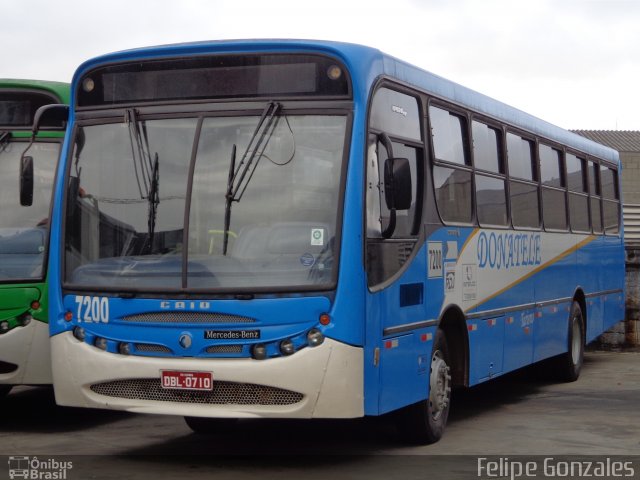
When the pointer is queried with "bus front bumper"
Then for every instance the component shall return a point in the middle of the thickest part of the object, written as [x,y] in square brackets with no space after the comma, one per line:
[326,381]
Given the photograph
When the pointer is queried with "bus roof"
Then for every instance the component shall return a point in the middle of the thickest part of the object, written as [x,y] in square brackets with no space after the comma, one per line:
[24,97]
[366,65]
[58,89]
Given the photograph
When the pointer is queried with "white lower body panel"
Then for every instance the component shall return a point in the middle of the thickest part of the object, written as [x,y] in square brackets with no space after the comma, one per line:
[28,348]
[330,378]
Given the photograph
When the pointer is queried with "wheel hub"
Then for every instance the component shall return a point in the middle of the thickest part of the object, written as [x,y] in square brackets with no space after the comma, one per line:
[576,341]
[439,385]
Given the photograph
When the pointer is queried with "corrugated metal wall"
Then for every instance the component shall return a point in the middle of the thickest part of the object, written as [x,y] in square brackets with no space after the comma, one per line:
[631,219]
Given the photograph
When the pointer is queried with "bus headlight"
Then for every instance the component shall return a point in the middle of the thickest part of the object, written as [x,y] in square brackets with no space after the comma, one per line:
[287,347]
[124,348]
[78,332]
[315,337]
[25,319]
[100,343]
[259,351]
[4,327]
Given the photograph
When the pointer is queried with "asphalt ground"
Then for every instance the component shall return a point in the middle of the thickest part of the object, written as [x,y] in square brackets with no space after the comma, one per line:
[519,416]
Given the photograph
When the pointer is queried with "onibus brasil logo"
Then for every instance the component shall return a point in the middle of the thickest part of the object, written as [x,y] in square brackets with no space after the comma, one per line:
[32,468]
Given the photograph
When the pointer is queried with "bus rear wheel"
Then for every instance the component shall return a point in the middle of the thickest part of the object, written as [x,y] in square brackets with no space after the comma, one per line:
[424,422]
[208,426]
[569,365]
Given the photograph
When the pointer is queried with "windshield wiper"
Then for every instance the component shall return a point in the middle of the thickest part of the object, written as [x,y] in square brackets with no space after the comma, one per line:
[154,200]
[146,169]
[229,199]
[4,139]
[248,165]
[239,178]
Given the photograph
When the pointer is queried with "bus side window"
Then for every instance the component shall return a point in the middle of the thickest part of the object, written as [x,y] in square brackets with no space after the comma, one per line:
[578,193]
[525,210]
[452,166]
[610,200]
[491,189]
[595,204]
[554,199]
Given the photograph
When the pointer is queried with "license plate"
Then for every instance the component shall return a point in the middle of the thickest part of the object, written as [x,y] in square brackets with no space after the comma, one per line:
[177,380]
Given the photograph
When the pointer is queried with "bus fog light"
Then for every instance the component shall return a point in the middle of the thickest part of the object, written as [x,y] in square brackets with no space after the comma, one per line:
[4,327]
[287,347]
[315,337]
[101,343]
[259,351]
[124,348]
[78,332]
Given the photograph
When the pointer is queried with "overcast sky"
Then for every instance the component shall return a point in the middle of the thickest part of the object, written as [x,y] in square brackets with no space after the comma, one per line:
[575,63]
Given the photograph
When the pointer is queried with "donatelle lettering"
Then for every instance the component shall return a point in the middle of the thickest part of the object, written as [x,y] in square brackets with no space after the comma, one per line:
[507,250]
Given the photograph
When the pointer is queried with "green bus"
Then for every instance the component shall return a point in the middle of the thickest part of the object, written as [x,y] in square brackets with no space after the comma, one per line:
[25,202]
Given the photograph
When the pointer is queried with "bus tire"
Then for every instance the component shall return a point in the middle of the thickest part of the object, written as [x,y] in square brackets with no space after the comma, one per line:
[424,422]
[569,365]
[4,390]
[208,426]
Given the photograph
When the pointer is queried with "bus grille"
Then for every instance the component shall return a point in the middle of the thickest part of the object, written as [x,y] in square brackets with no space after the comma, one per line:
[152,348]
[223,393]
[225,349]
[186,317]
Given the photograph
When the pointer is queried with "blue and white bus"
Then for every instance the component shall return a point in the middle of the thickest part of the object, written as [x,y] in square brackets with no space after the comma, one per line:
[311,229]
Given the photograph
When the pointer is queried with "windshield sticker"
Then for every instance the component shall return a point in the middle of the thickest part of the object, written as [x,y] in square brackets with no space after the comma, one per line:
[317,237]
[307,260]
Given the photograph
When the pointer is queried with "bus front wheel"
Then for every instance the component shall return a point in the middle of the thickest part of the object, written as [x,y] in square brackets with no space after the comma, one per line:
[424,422]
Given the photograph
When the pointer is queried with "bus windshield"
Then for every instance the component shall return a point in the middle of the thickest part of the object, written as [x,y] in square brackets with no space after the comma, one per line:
[137,186]
[24,230]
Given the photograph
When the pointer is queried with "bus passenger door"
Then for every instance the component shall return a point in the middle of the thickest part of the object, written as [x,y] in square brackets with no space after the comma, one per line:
[397,365]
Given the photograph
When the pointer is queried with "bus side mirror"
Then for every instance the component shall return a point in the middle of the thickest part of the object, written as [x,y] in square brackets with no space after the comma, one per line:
[52,116]
[397,190]
[397,184]
[26,181]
